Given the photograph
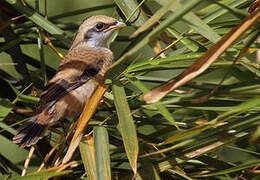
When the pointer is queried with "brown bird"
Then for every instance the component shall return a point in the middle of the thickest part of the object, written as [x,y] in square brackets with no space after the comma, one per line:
[86,63]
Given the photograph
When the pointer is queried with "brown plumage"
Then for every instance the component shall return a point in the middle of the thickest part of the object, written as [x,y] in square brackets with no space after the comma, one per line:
[87,61]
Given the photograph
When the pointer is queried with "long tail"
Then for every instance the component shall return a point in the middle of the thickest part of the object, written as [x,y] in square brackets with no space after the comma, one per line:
[30,132]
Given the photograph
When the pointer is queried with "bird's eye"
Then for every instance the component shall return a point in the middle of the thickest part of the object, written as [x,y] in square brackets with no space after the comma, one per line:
[99,26]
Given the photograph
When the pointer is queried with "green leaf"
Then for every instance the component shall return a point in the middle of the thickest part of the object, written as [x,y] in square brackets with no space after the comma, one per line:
[81,11]
[128,7]
[88,157]
[243,107]
[155,18]
[161,108]
[189,43]
[220,11]
[126,125]
[5,108]
[101,146]
[41,21]
[41,175]
[11,44]
[235,169]
[161,61]
[147,166]
[160,28]
[239,109]
[194,22]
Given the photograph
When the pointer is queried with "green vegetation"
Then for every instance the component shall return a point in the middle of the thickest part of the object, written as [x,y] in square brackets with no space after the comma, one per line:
[183,136]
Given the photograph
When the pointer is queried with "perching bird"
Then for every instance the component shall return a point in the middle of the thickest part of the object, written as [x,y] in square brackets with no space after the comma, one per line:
[87,61]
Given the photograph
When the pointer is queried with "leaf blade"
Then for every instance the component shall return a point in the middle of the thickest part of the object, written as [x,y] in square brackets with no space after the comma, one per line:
[126,125]
[102,158]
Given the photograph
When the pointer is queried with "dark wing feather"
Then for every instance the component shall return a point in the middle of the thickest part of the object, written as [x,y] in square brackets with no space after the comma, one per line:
[61,87]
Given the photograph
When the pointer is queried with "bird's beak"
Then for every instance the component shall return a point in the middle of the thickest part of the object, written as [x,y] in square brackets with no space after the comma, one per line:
[118,26]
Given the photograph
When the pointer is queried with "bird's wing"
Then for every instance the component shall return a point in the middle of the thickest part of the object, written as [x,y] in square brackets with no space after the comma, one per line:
[59,87]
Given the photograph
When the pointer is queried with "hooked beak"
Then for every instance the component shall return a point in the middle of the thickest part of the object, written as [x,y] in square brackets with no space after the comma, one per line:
[119,25]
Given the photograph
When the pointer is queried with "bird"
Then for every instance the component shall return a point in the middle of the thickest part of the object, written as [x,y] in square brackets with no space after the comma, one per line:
[86,64]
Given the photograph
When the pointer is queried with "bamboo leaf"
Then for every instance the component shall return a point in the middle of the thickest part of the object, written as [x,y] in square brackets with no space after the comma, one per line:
[203,62]
[194,22]
[160,61]
[102,158]
[81,11]
[41,175]
[154,19]
[189,43]
[87,152]
[148,166]
[171,19]
[11,44]
[126,125]
[128,7]
[161,108]
[41,21]
[5,108]
[235,169]
[219,11]
[225,116]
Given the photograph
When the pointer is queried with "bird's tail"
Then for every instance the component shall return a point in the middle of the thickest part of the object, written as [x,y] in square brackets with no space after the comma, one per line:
[30,132]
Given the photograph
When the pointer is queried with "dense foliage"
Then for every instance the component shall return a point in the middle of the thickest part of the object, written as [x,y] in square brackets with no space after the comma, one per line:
[206,129]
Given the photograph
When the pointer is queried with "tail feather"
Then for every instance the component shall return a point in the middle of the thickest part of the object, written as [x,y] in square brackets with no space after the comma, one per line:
[30,132]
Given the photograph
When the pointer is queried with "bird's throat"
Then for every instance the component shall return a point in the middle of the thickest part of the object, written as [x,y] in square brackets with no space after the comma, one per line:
[95,43]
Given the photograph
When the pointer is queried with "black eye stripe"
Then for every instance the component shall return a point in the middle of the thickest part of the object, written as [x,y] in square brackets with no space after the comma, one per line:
[105,25]
[113,23]
[89,33]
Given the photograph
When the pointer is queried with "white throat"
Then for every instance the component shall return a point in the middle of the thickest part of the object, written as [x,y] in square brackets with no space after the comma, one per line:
[96,43]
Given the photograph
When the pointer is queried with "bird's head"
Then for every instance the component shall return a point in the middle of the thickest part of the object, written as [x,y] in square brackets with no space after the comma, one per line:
[96,30]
